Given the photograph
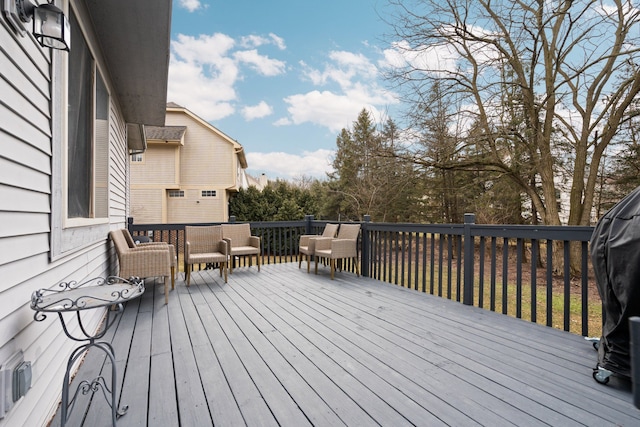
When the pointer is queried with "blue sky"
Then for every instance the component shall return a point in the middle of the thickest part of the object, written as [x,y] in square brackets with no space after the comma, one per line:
[282,77]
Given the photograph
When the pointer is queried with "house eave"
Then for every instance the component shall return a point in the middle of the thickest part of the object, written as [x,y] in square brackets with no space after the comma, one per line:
[239,150]
[135,40]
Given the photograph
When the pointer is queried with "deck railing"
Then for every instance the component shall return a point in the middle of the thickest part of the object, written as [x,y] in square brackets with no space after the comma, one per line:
[519,270]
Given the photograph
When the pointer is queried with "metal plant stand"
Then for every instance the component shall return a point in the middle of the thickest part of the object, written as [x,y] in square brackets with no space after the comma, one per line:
[73,297]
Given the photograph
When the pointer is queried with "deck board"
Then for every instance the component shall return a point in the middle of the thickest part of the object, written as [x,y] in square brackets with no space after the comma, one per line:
[449,358]
[489,347]
[349,352]
[135,384]
[283,347]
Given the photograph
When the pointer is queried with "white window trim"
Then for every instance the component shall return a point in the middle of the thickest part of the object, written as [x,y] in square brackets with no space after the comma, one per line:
[203,196]
[65,235]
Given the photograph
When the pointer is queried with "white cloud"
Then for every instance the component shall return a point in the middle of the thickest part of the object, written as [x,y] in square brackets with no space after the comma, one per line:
[345,68]
[257,111]
[256,41]
[287,166]
[278,41]
[205,49]
[204,72]
[262,64]
[202,76]
[357,88]
[426,58]
[283,121]
[191,5]
[327,109]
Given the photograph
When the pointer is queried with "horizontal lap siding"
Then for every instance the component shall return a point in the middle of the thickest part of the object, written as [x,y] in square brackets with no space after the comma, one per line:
[26,149]
[25,191]
[150,180]
[146,205]
[157,168]
[204,163]
[118,168]
[206,159]
[195,208]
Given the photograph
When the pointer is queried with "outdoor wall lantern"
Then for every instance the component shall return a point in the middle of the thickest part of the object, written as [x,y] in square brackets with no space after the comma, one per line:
[50,25]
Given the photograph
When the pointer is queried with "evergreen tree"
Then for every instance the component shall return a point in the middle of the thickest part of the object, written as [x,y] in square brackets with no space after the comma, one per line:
[278,201]
[368,177]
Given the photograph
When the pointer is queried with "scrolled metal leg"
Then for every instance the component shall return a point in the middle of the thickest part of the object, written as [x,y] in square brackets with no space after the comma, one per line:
[67,405]
[99,383]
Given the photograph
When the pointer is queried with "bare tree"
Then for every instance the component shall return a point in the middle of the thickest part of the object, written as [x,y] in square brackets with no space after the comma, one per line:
[566,71]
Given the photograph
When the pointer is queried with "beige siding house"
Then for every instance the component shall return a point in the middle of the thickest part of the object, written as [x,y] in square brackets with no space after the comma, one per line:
[68,121]
[188,172]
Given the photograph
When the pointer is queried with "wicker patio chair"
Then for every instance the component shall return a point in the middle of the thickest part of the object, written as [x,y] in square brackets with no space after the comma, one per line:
[240,242]
[149,261]
[344,246]
[307,245]
[172,252]
[204,245]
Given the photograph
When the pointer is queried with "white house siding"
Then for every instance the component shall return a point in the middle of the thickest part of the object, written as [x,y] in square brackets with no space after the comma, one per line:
[196,168]
[119,170]
[205,160]
[159,167]
[146,205]
[152,177]
[27,181]
[195,208]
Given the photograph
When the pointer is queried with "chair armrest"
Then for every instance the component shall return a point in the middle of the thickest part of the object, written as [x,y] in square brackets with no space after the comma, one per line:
[304,239]
[223,247]
[149,248]
[254,241]
[140,245]
[311,245]
[323,243]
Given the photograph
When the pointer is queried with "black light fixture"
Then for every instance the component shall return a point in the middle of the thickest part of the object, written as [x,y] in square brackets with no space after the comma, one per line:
[50,25]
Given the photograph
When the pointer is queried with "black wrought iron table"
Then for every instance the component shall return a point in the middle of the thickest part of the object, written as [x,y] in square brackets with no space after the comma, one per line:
[75,297]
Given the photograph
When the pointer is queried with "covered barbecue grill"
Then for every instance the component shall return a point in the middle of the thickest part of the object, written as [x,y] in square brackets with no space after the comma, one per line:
[615,255]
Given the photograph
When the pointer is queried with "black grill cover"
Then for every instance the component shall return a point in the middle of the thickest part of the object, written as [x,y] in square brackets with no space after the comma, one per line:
[615,254]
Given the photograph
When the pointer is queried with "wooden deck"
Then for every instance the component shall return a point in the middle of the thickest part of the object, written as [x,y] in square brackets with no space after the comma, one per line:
[282,347]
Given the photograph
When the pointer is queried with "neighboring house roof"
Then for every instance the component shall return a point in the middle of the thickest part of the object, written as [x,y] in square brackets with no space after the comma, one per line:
[137,56]
[165,133]
[239,150]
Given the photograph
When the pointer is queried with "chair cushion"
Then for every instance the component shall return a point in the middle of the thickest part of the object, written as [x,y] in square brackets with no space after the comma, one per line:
[204,258]
[244,250]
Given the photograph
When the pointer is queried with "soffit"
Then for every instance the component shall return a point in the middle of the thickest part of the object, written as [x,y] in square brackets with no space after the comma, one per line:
[135,37]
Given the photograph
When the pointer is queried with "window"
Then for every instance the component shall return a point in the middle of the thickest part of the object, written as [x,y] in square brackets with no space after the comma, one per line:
[137,158]
[208,193]
[81,116]
[87,132]
[176,193]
